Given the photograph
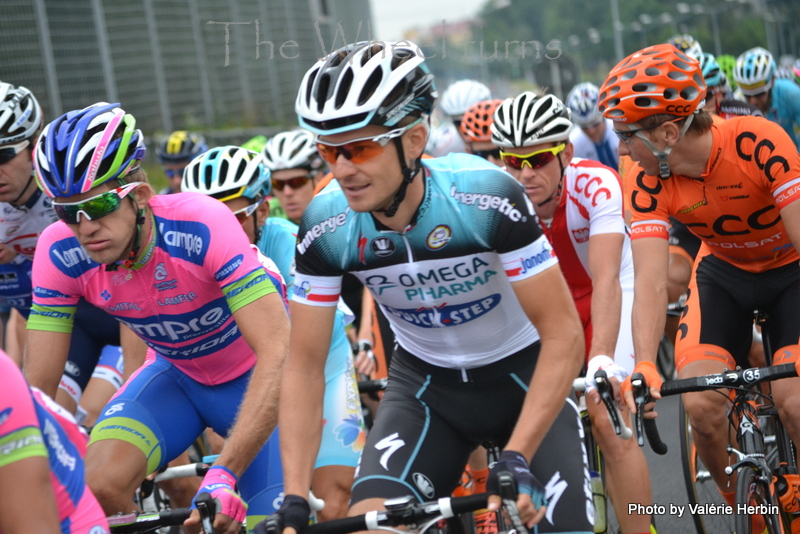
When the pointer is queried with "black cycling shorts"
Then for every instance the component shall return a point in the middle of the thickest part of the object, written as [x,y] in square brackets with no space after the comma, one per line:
[92,330]
[719,311]
[431,419]
[681,237]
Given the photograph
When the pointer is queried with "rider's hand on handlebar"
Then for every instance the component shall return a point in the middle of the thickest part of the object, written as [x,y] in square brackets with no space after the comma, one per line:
[654,382]
[220,483]
[531,500]
[616,376]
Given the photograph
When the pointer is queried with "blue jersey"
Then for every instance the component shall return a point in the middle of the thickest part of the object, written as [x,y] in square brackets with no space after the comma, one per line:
[15,284]
[277,241]
[785,108]
[444,282]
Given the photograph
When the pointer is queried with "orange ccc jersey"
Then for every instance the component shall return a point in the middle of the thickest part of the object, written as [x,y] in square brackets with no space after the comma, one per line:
[734,207]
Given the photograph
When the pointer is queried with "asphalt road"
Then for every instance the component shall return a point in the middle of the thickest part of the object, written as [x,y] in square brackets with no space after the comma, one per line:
[666,476]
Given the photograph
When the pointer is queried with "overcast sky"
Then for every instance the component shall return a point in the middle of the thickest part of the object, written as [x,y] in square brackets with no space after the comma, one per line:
[391,17]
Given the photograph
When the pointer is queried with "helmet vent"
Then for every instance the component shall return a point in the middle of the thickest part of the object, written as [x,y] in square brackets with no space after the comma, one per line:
[208,176]
[680,64]
[372,83]
[345,83]
[677,76]
[643,87]
[670,93]
[323,85]
[689,93]
[651,71]
[629,75]
[645,102]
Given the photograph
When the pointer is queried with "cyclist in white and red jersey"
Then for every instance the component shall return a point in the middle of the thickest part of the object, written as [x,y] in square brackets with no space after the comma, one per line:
[579,206]
[42,487]
[179,271]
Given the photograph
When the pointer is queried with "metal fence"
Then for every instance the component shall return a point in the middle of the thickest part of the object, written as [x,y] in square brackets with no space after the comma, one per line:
[195,64]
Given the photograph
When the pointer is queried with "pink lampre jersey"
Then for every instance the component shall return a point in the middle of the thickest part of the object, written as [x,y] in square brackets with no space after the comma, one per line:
[31,424]
[195,271]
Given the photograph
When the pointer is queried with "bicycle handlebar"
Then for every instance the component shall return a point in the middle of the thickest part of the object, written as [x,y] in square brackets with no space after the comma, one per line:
[729,379]
[399,512]
[148,521]
[372,386]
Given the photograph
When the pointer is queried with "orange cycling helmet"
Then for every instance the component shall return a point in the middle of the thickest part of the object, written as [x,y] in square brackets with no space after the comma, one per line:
[477,121]
[658,79]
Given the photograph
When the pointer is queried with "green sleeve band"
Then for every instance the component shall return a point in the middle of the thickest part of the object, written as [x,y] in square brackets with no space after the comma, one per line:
[24,443]
[51,318]
[247,289]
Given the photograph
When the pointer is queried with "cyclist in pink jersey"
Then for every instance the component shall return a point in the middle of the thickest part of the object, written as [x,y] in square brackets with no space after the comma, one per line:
[42,487]
[180,273]
[579,206]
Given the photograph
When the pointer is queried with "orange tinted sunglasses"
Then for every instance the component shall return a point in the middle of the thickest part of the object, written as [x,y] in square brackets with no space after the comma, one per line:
[360,150]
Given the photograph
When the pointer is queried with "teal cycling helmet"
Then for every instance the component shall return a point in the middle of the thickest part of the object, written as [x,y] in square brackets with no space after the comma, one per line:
[228,172]
[712,74]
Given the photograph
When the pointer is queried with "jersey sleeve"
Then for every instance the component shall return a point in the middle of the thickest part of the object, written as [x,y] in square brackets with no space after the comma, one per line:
[776,158]
[516,226]
[650,215]
[58,265]
[20,436]
[318,278]
[229,258]
[602,197]
[523,248]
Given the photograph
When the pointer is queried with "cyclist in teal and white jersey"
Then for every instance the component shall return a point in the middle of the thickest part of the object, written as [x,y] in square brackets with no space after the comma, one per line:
[451,251]
[777,99]
[178,270]
[221,174]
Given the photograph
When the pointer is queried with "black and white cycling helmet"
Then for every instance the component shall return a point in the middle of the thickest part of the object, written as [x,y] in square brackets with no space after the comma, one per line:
[20,114]
[529,120]
[582,103]
[754,71]
[369,82]
[291,150]
[458,97]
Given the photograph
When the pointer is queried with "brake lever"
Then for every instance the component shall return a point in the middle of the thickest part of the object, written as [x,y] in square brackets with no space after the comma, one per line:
[508,493]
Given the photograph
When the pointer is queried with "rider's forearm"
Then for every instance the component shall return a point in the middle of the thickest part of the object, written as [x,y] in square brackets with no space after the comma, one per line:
[45,357]
[301,426]
[560,361]
[606,309]
[648,319]
[258,412]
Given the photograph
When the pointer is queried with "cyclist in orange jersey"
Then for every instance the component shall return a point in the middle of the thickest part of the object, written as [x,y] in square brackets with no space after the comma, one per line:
[733,185]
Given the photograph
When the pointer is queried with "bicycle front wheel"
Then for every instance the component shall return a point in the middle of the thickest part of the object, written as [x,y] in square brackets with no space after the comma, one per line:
[700,487]
[756,511]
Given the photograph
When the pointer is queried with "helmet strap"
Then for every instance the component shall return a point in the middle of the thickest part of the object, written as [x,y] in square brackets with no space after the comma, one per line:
[663,166]
[408,177]
[137,241]
[557,195]
[22,193]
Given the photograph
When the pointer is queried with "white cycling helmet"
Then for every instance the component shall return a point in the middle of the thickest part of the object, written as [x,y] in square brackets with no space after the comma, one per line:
[291,150]
[227,172]
[754,71]
[443,140]
[20,114]
[369,82]
[529,120]
[582,103]
[458,97]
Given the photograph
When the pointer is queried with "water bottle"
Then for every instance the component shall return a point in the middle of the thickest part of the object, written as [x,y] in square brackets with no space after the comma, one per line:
[599,498]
